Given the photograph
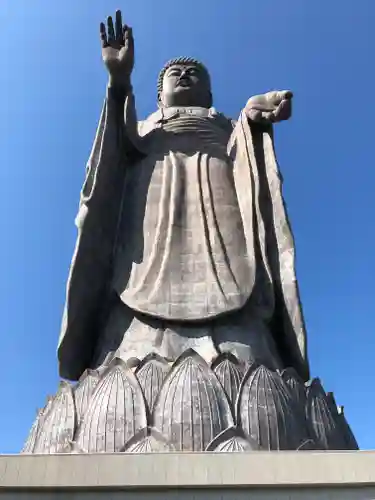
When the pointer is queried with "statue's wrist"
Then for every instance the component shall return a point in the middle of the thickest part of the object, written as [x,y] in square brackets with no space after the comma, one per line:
[120,86]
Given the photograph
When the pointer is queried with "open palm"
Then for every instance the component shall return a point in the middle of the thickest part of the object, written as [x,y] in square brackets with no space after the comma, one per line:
[117,48]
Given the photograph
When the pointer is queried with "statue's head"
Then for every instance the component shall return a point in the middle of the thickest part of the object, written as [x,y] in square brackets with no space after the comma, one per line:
[184,81]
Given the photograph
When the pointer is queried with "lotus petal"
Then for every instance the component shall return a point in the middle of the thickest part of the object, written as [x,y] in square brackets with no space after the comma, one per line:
[47,406]
[148,440]
[232,440]
[295,384]
[57,426]
[31,439]
[322,425]
[332,404]
[192,407]
[349,442]
[349,438]
[151,373]
[267,412]
[308,445]
[115,413]
[83,391]
[229,372]
[38,423]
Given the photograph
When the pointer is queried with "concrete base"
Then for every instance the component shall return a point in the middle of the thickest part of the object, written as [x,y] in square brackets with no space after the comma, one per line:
[204,476]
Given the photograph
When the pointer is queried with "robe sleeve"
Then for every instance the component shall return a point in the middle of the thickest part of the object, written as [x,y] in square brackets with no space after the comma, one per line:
[97,221]
[288,323]
[259,188]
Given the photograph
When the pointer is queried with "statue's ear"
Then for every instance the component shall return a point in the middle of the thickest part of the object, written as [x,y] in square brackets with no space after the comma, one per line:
[160,102]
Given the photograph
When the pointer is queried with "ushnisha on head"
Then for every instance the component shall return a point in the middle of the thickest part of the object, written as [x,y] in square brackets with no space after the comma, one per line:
[184,81]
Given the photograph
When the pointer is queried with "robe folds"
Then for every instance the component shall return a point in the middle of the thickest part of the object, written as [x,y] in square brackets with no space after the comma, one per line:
[182,218]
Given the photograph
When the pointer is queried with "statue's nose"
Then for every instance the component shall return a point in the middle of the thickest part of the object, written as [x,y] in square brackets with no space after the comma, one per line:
[184,76]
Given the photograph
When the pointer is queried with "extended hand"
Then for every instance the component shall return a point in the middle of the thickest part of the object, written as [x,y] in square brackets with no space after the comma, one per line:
[117,49]
[269,108]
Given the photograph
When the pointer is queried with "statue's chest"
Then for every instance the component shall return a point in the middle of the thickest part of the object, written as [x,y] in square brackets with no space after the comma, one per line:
[185,195]
[190,133]
[184,186]
[184,228]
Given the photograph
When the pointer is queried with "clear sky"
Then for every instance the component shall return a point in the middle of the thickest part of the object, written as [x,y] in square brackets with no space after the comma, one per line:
[52,84]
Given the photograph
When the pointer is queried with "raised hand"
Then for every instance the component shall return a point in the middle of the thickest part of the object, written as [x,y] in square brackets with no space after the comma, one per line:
[117,49]
[269,108]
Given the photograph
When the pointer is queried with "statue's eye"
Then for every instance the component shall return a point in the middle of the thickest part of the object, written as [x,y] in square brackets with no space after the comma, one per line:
[174,72]
[193,71]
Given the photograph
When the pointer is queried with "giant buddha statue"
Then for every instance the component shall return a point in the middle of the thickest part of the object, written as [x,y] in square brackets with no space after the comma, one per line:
[182,322]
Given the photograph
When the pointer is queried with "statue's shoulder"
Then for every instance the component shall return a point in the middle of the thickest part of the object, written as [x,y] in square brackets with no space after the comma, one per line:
[149,124]
[222,120]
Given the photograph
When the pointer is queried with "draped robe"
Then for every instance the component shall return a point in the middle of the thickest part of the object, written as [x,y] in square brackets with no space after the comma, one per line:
[183,220]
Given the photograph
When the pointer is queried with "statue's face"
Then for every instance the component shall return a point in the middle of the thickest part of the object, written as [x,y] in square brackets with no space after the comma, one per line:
[186,85]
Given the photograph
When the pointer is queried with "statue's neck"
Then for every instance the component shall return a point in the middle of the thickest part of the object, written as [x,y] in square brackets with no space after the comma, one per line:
[186,109]
[183,108]
[170,111]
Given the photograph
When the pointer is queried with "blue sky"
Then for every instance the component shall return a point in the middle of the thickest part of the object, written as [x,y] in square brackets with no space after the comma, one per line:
[51,90]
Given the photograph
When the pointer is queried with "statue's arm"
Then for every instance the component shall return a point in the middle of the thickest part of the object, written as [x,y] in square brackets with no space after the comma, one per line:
[254,159]
[100,207]
[97,221]
[116,140]
[108,139]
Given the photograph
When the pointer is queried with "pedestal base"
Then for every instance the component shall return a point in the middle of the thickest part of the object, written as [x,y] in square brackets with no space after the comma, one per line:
[153,406]
[202,476]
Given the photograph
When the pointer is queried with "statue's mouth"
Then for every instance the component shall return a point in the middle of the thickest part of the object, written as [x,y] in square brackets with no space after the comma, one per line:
[183,82]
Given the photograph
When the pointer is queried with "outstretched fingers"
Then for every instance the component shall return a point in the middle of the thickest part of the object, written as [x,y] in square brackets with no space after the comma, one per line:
[114,31]
[110,29]
[119,33]
[103,35]
[128,37]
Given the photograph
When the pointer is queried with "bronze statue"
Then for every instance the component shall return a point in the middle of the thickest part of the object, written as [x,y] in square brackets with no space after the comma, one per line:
[183,237]
[182,319]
